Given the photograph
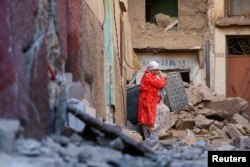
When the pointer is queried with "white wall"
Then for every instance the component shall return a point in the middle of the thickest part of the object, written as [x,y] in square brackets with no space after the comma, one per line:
[175,60]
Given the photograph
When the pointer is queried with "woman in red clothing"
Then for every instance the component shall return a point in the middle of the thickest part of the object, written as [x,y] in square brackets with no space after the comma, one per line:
[152,81]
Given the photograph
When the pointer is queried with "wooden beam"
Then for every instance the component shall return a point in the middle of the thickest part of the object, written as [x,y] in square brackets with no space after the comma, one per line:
[131,146]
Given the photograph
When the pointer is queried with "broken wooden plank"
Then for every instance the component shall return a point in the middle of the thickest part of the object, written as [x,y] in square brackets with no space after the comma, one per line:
[111,131]
[170,26]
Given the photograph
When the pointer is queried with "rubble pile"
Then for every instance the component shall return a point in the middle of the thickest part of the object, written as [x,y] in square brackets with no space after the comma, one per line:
[215,119]
[91,148]
[211,122]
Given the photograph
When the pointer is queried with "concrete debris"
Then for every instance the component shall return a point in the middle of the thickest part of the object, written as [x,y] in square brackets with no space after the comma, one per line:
[218,124]
[194,95]
[219,133]
[238,119]
[183,124]
[233,131]
[165,21]
[9,130]
[202,122]
[208,126]
[28,147]
[75,150]
[213,118]
[170,26]
[229,106]
[190,137]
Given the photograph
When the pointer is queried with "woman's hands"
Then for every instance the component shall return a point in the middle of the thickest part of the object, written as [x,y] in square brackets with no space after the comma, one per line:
[162,75]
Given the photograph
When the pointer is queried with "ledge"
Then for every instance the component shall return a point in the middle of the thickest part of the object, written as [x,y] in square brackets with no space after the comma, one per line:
[234,21]
[159,49]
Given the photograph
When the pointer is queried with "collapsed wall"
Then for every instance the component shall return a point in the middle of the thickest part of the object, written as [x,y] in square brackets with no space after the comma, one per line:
[210,117]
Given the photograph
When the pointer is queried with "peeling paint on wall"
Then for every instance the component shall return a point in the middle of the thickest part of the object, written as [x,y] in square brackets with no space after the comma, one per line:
[108,60]
[186,61]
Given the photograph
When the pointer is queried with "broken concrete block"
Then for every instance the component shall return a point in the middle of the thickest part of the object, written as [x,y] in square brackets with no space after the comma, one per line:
[29,147]
[190,137]
[9,129]
[202,122]
[183,124]
[206,93]
[242,129]
[220,133]
[228,107]
[193,95]
[162,20]
[185,115]
[218,124]
[75,123]
[178,133]
[232,131]
[196,130]
[237,118]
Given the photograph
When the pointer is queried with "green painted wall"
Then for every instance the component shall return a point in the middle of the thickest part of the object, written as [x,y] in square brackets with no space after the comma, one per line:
[108,55]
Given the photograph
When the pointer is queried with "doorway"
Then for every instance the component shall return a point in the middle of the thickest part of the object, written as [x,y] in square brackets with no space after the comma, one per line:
[238,67]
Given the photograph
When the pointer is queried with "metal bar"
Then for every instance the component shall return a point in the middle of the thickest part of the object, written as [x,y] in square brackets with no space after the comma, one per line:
[207,61]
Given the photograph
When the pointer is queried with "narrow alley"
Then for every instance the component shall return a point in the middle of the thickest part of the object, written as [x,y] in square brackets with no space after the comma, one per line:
[72,75]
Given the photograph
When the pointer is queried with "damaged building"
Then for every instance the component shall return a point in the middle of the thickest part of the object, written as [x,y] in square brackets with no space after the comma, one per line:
[60,43]
[90,49]
[207,41]
[66,67]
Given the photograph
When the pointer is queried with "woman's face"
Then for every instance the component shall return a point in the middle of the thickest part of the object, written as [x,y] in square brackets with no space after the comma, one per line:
[155,71]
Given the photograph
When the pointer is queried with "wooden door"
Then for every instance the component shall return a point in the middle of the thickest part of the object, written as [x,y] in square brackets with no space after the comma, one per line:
[238,69]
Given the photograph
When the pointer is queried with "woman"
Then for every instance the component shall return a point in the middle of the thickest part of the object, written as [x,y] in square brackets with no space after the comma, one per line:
[152,81]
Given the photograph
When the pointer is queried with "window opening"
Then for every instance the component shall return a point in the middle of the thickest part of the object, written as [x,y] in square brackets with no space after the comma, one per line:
[167,7]
[238,8]
[238,45]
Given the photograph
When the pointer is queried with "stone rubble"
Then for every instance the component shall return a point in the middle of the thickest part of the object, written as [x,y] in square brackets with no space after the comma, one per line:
[205,125]
[73,150]
[211,118]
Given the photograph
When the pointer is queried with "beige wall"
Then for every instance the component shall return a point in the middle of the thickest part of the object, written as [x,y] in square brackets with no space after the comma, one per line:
[97,7]
[192,32]
[91,62]
[218,46]
[220,55]
[136,11]
[218,8]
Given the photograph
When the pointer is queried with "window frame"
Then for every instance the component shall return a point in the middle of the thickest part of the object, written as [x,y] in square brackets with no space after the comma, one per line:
[228,12]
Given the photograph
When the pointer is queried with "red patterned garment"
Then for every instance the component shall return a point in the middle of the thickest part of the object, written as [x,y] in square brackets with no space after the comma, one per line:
[149,98]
